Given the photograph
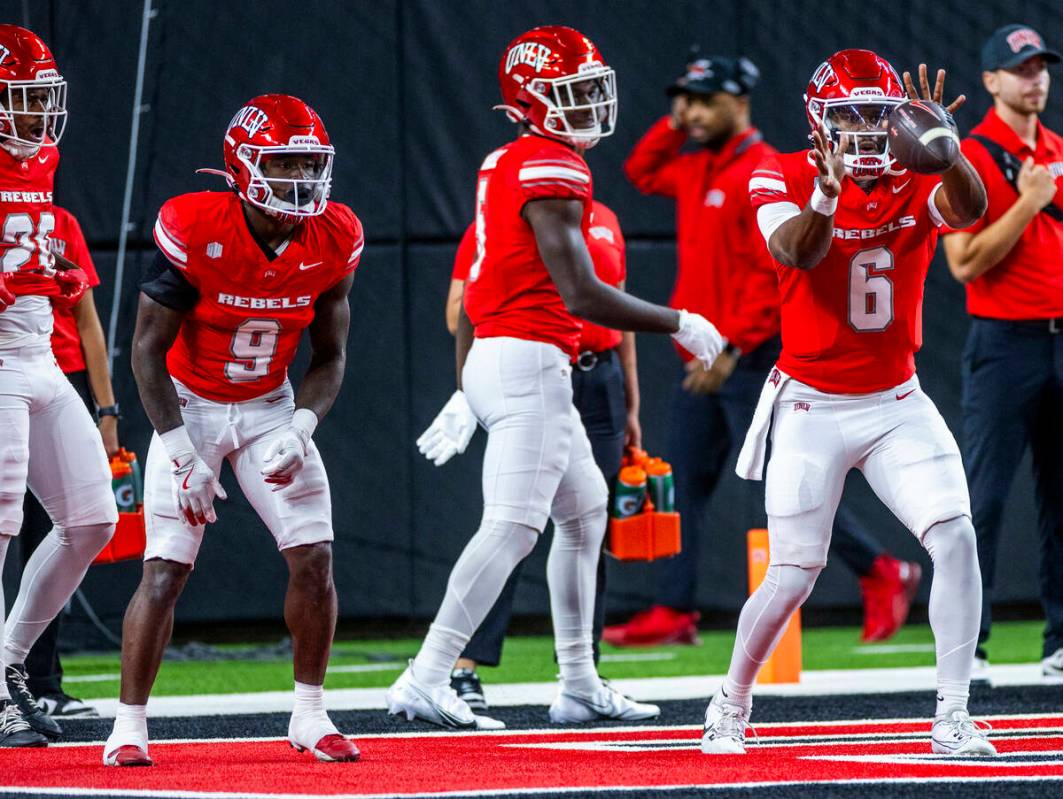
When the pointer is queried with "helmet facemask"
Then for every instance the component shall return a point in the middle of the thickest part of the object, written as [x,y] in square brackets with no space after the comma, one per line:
[17,96]
[286,198]
[589,93]
[863,122]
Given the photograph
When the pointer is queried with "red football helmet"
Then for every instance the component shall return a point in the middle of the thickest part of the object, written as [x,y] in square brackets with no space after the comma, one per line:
[273,127]
[554,80]
[852,93]
[30,87]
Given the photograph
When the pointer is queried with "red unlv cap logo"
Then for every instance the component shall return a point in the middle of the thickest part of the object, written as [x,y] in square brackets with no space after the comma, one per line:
[1024,37]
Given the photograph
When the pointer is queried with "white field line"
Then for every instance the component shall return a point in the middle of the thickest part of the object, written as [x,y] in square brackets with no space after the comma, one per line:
[813,683]
[635,657]
[891,649]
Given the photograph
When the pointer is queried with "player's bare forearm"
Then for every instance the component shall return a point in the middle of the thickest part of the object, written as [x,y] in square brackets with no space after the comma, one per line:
[463,337]
[156,331]
[962,197]
[972,255]
[94,347]
[802,241]
[328,344]
[564,252]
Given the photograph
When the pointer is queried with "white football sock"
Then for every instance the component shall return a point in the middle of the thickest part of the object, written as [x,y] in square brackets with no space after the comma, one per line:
[309,722]
[474,585]
[130,728]
[761,624]
[571,573]
[53,573]
[955,607]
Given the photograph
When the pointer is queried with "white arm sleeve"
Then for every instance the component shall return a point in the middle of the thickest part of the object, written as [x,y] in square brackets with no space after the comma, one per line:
[932,207]
[772,215]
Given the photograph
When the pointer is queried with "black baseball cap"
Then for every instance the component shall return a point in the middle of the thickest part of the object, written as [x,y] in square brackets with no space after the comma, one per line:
[1011,45]
[711,74]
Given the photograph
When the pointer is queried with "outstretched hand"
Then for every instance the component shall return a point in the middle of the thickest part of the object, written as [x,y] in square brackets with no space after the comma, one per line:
[937,94]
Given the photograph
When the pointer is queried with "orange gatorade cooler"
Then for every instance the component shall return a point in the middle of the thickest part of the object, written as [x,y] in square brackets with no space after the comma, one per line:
[644,525]
[128,541]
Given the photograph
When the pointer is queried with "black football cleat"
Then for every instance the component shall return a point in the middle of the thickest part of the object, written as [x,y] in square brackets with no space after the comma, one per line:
[15,731]
[15,675]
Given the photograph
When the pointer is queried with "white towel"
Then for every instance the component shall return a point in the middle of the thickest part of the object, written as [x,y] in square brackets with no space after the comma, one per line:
[750,464]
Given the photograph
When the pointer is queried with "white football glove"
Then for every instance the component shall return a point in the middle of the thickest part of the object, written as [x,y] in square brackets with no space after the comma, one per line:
[195,484]
[698,336]
[285,456]
[450,432]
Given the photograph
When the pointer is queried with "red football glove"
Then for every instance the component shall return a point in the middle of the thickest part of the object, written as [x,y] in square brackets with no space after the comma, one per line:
[73,283]
[7,298]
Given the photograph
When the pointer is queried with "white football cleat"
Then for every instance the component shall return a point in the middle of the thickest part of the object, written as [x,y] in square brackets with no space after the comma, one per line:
[1052,668]
[608,703]
[956,734]
[437,704]
[725,727]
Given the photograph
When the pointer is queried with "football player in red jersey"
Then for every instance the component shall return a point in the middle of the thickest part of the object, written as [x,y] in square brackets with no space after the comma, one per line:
[239,275]
[529,286]
[852,234]
[48,441]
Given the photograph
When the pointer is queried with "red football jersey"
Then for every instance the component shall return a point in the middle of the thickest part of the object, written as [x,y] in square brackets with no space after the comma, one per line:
[509,291]
[853,324]
[606,245]
[27,219]
[69,241]
[238,340]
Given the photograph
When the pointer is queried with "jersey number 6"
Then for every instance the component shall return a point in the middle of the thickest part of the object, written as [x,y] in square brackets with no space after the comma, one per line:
[253,346]
[870,291]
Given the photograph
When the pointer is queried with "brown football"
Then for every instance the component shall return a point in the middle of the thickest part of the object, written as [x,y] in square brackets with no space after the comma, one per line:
[923,137]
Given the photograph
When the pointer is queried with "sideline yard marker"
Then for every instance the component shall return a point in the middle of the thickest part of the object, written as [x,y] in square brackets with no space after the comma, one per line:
[784,665]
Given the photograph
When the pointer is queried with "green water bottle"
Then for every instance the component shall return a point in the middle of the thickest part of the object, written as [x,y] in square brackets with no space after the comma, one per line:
[661,486]
[630,492]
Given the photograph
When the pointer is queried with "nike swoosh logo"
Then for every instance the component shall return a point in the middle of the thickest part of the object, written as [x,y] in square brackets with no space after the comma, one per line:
[443,713]
[304,267]
[185,484]
[42,159]
[905,394]
[900,188]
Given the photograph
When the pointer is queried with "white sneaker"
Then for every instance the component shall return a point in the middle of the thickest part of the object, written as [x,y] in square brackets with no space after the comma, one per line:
[437,704]
[608,703]
[956,734]
[1052,667]
[725,728]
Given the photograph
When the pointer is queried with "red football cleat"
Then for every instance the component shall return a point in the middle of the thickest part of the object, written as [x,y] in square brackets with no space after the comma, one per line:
[656,626]
[128,755]
[888,591]
[332,748]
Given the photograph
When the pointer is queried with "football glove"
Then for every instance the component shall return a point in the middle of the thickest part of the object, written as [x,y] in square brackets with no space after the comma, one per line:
[7,298]
[450,432]
[286,454]
[73,283]
[194,483]
[698,336]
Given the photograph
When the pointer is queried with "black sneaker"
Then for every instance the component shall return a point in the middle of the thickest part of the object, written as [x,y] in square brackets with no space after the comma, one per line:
[27,705]
[64,706]
[14,731]
[466,685]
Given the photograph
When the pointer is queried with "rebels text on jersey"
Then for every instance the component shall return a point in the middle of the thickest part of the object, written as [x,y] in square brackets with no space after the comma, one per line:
[27,220]
[241,334]
[853,323]
[509,291]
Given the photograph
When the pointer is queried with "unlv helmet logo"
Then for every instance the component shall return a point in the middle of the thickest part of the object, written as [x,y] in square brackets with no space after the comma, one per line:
[531,53]
[250,119]
[822,75]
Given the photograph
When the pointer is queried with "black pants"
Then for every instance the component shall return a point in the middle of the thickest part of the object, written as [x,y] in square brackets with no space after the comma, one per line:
[42,662]
[1013,396]
[703,430]
[599,396]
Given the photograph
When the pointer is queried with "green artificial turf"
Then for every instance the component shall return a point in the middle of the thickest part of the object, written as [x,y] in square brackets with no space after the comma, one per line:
[376,663]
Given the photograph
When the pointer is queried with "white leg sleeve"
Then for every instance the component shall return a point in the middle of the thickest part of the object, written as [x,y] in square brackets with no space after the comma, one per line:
[4,541]
[762,623]
[474,585]
[52,574]
[955,605]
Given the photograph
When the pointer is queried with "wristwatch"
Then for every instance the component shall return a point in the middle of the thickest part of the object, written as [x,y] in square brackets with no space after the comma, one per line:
[108,410]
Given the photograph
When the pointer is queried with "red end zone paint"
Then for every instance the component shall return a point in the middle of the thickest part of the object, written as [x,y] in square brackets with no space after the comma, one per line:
[1031,748]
